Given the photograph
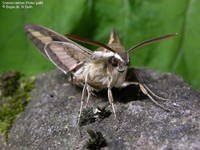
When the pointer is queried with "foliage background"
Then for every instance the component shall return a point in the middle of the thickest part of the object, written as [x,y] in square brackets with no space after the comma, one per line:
[135,21]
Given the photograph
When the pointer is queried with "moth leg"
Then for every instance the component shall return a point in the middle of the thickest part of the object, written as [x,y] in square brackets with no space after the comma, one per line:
[158,97]
[127,83]
[142,82]
[89,94]
[82,101]
[146,91]
[110,98]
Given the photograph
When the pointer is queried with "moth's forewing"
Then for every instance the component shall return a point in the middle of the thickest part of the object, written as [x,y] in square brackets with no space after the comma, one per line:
[130,76]
[133,75]
[114,38]
[63,52]
[40,36]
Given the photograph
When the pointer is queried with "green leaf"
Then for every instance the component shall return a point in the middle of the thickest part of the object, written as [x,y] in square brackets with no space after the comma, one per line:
[135,20]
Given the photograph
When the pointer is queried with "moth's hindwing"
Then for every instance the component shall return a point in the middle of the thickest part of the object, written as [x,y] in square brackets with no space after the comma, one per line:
[65,55]
[63,52]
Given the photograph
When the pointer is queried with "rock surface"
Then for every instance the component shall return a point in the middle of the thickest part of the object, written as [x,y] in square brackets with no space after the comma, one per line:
[49,120]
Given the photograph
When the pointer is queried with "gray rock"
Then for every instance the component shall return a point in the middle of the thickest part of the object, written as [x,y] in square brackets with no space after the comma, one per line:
[49,120]
[2,143]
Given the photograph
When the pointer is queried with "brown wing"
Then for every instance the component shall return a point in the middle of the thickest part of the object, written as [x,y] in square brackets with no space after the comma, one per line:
[63,52]
[66,56]
[114,38]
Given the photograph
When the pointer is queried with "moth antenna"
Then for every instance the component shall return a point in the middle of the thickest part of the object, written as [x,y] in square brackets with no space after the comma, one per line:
[92,42]
[151,41]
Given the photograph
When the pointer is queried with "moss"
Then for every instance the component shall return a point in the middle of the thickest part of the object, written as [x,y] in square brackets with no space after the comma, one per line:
[96,140]
[87,117]
[14,96]
[102,113]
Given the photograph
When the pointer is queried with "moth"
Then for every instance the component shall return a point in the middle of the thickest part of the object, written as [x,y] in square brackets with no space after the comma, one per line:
[105,68]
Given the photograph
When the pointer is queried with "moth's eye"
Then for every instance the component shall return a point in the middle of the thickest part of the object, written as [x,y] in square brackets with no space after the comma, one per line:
[113,62]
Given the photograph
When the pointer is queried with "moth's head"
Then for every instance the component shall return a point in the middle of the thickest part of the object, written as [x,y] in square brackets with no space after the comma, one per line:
[120,59]
[117,63]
